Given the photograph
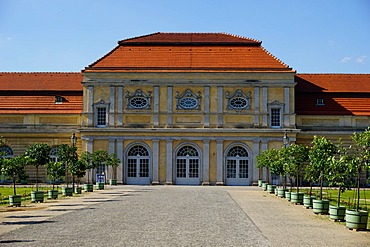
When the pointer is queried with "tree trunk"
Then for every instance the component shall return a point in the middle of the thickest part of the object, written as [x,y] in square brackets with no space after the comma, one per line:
[321,184]
[358,190]
[338,204]
[14,189]
[37,175]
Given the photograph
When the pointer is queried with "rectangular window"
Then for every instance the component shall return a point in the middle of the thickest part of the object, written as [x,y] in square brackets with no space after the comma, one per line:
[102,116]
[320,102]
[275,117]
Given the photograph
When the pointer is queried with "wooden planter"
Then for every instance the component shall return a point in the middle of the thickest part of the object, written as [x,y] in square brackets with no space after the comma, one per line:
[357,220]
[67,191]
[287,195]
[307,201]
[264,186]
[260,181]
[281,192]
[37,196]
[100,186]
[337,213]
[112,181]
[52,194]
[271,188]
[320,206]
[88,187]
[15,200]
[296,197]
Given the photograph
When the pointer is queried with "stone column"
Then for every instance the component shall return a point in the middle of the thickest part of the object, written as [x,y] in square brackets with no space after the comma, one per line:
[90,102]
[120,106]
[220,106]
[169,106]
[112,95]
[206,106]
[155,180]
[169,165]
[264,107]
[120,168]
[220,170]
[205,172]
[89,148]
[286,115]
[109,170]
[156,106]
[256,106]
[256,172]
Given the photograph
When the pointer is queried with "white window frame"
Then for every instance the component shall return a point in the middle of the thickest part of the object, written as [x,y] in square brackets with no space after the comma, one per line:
[101,105]
[320,102]
[275,105]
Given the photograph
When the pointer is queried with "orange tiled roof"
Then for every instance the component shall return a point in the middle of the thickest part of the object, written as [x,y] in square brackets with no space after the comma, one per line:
[189,51]
[34,93]
[333,82]
[343,94]
[20,81]
[40,104]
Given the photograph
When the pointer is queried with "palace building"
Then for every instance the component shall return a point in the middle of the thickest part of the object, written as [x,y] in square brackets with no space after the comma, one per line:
[182,108]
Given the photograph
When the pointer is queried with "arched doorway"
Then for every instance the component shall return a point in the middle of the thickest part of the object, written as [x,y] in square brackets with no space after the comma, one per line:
[138,165]
[187,166]
[237,166]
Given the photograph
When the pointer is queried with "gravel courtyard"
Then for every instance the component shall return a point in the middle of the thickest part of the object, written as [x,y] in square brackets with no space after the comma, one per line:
[174,216]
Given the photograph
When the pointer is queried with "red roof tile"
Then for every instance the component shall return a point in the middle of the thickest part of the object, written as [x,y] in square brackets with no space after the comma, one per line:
[332,82]
[40,104]
[343,94]
[189,51]
[41,81]
[189,38]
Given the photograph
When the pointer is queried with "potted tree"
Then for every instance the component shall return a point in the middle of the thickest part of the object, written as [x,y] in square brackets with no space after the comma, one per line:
[100,157]
[276,166]
[86,158]
[340,172]
[297,156]
[67,155]
[320,155]
[113,162]
[15,168]
[264,160]
[360,160]
[77,169]
[37,155]
[55,170]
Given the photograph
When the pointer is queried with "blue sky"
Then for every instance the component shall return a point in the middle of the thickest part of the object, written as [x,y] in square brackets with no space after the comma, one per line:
[316,36]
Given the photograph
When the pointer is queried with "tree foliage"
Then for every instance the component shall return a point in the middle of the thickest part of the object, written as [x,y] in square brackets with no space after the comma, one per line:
[15,168]
[37,155]
[320,156]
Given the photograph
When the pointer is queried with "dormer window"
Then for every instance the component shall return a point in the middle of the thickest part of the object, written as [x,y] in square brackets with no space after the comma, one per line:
[320,102]
[58,100]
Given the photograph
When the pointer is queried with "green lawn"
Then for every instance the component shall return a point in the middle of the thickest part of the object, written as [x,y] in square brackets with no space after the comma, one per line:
[348,198]
[25,191]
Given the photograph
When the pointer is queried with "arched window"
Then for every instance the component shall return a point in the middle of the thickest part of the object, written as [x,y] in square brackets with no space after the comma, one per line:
[138,165]
[237,166]
[53,154]
[187,165]
[187,151]
[6,151]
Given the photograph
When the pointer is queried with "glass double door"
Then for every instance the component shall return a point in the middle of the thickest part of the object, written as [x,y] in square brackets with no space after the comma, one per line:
[188,171]
[237,171]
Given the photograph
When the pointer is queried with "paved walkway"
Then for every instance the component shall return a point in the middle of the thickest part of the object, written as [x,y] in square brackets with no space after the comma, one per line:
[173,216]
